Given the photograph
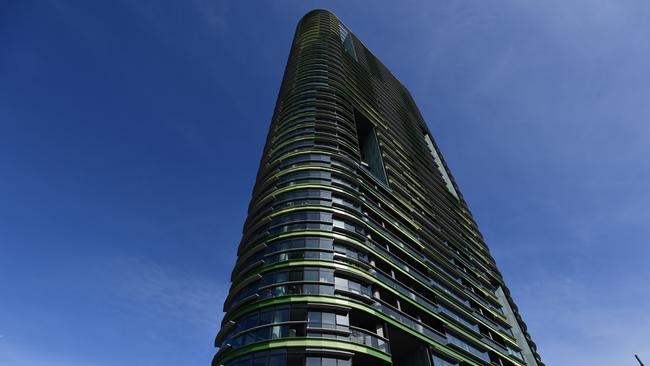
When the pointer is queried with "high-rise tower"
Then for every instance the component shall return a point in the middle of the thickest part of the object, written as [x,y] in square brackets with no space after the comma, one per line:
[358,248]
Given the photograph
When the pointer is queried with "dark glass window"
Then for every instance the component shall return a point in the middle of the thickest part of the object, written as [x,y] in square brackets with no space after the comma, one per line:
[294,360]
[348,44]
[277,360]
[266,316]
[295,276]
[329,318]
[312,289]
[342,320]
[326,275]
[315,317]
[260,361]
[369,147]
[281,315]
[440,361]
[311,275]
[298,314]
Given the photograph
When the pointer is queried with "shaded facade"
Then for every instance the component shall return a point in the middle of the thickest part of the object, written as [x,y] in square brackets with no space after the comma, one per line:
[358,248]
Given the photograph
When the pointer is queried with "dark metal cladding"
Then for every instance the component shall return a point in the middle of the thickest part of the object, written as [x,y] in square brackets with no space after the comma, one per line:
[358,248]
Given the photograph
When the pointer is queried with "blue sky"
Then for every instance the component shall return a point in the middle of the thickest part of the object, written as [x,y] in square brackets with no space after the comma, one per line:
[131,131]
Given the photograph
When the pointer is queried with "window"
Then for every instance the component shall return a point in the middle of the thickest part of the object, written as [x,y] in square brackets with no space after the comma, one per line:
[311,289]
[369,147]
[276,332]
[451,339]
[265,358]
[313,361]
[277,360]
[280,277]
[439,361]
[281,315]
[311,275]
[329,319]
[315,317]
[344,202]
[326,275]
[318,319]
[341,282]
[325,361]
[337,223]
[355,286]
[266,316]
[346,39]
[297,330]
[298,314]
[294,360]
[342,320]
[296,275]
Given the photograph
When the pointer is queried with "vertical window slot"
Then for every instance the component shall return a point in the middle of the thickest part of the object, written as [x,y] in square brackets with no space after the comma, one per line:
[441,167]
[346,39]
[371,157]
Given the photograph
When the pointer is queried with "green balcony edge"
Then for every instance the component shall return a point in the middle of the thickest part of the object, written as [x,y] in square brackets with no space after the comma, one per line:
[304,342]
[359,306]
[345,267]
[349,215]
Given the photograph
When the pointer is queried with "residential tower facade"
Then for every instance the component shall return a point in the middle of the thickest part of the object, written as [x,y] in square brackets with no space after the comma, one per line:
[358,248]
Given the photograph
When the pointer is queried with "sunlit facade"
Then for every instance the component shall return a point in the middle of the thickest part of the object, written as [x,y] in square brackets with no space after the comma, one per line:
[358,248]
